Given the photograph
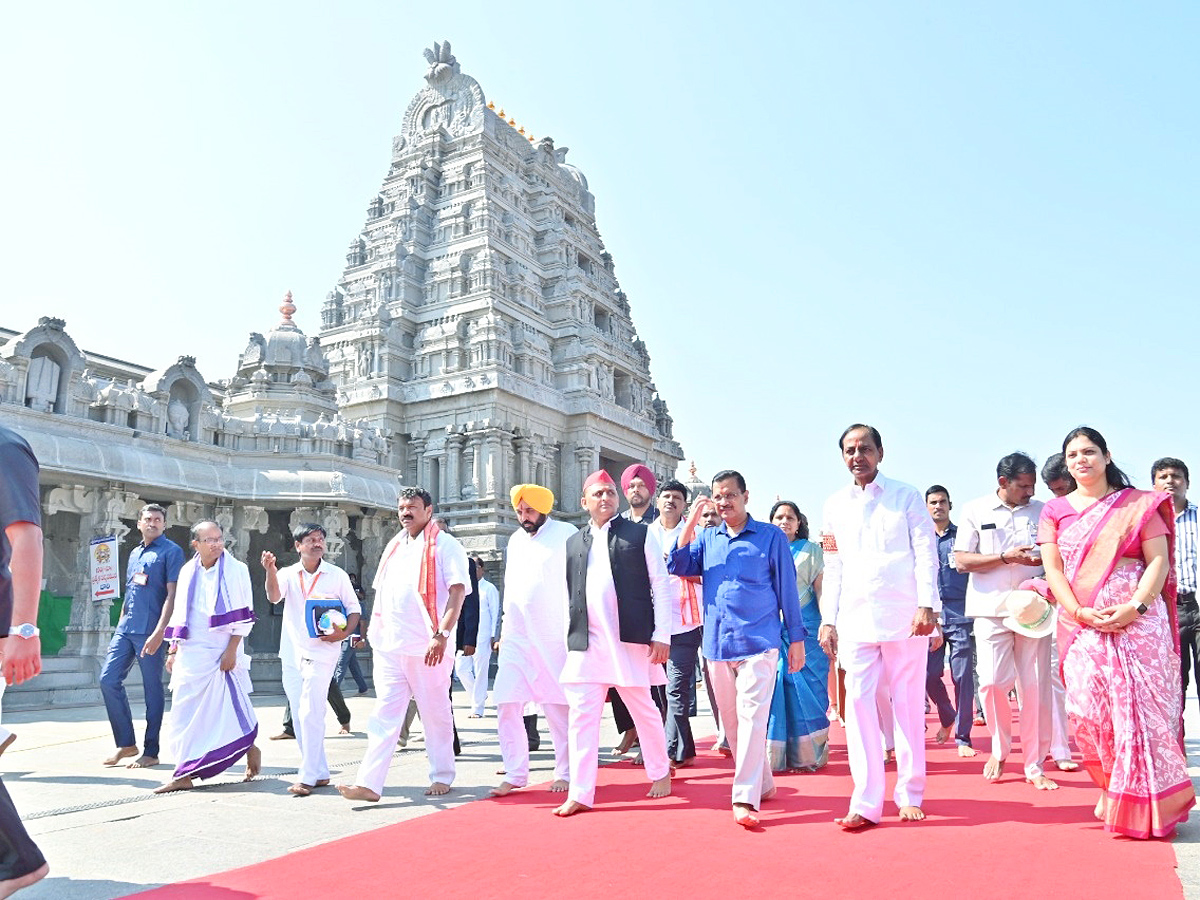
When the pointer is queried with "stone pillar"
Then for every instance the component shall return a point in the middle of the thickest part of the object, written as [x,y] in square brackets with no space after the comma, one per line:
[416,461]
[477,470]
[336,523]
[247,519]
[524,451]
[102,510]
[495,479]
[454,447]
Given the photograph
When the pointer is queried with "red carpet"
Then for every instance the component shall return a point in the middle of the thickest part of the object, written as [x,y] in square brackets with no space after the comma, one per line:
[981,840]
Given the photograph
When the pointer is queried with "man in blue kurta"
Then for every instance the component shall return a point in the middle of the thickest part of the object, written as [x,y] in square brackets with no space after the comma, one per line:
[749,581]
[150,578]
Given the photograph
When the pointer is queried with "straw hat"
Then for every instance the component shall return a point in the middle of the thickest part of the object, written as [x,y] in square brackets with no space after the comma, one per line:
[1028,614]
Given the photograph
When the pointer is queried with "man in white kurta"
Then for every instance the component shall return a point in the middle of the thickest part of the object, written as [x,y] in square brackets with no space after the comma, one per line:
[880,602]
[996,544]
[419,590]
[212,723]
[309,656]
[608,661]
[533,640]
[473,670]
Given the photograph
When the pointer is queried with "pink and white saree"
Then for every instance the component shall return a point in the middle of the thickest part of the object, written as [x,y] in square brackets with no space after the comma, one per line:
[1123,688]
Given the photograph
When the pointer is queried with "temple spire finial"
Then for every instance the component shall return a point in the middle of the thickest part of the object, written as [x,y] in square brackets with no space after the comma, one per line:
[288,308]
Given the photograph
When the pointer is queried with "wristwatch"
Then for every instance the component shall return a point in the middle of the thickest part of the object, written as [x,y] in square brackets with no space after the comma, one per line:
[25,630]
[1141,609]
[445,635]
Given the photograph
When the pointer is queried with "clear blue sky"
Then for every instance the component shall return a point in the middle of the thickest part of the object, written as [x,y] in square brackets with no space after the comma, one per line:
[971,224]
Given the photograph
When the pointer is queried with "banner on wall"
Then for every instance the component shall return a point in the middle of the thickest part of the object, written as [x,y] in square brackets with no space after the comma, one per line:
[102,560]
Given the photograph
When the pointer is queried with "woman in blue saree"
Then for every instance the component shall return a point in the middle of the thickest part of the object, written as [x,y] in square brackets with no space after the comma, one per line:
[798,727]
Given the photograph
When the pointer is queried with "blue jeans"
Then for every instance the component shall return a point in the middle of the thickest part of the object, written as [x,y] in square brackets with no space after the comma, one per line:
[349,662]
[123,649]
[959,637]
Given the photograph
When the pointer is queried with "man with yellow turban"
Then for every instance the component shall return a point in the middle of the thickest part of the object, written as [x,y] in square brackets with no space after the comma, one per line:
[533,637]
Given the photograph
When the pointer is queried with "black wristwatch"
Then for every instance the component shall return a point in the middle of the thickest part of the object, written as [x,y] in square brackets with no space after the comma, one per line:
[1141,609]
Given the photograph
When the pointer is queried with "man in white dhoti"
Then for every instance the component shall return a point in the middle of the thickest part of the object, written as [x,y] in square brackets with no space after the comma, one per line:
[419,590]
[308,648]
[880,602]
[212,722]
[473,670]
[618,635]
[533,643]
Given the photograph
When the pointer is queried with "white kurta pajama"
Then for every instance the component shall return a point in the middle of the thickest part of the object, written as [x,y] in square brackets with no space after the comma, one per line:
[610,662]
[533,646]
[883,569]
[307,662]
[473,670]
[399,633]
[212,722]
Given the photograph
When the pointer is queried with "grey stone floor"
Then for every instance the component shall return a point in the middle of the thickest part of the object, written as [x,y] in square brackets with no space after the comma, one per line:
[106,835]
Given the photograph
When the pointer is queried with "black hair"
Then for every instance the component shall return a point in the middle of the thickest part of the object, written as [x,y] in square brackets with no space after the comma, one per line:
[936,489]
[801,519]
[1170,462]
[674,486]
[300,532]
[203,523]
[413,493]
[1015,465]
[153,507]
[726,474]
[1055,469]
[875,436]
[1115,477]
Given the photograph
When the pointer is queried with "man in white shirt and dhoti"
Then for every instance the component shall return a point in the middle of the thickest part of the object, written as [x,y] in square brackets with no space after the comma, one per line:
[997,544]
[419,590]
[618,635]
[212,723]
[533,640]
[308,653]
[880,602]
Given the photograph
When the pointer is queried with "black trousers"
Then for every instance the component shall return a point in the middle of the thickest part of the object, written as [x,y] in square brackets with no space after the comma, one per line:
[1189,637]
[621,717]
[19,855]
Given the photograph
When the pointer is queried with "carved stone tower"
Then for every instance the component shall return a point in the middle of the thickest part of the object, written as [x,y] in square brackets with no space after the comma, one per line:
[480,321]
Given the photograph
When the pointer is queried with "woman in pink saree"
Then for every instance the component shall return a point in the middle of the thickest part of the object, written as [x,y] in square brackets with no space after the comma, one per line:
[1107,550]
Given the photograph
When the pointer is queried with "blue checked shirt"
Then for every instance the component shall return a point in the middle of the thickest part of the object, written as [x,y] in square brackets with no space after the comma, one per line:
[1187,540]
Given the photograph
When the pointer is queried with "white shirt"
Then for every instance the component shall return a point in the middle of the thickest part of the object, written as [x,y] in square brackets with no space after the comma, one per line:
[533,637]
[667,538]
[295,587]
[608,659]
[399,621]
[489,614]
[885,563]
[987,526]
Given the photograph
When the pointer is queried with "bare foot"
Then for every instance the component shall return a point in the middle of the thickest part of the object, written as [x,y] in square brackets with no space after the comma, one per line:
[638,761]
[122,753]
[725,752]
[965,751]
[1099,811]
[889,758]
[503,788]
[911,814]
[10,886]
[143,762]
[345,729]
[1064,765]
[570,808]
[282,736]
[300,789]
[8,740]
[942,735]
[559,785]
[253,762]
[684,763]
[628,740]
[437,789]
[179,784]
[854,822]
[745,815]
[767,795]
[1042,783]
[660,788]
[358,792]
[993,769]
[323,782]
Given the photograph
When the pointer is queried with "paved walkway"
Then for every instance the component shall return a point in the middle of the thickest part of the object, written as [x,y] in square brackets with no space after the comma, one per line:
[106,835]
